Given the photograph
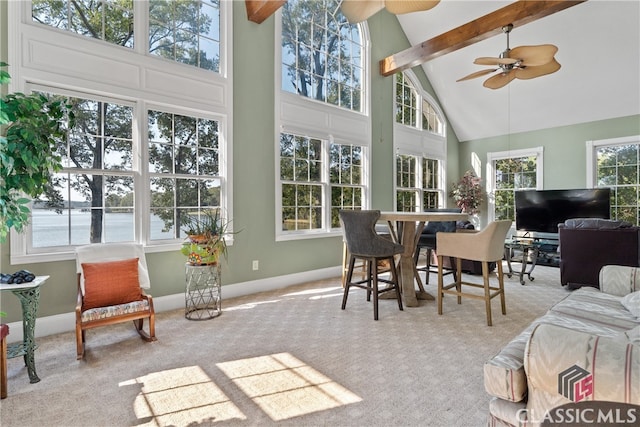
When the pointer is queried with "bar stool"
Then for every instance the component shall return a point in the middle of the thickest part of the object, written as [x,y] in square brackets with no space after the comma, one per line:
[364,243]
[486,246]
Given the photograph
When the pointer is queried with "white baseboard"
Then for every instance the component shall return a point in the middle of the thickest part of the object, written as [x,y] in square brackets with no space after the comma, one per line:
[66,322]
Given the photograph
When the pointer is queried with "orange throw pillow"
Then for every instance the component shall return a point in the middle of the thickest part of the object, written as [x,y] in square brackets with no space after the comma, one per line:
[110,283]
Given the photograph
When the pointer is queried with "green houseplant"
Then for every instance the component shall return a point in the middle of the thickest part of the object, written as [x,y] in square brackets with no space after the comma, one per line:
[30,126]
[206,232]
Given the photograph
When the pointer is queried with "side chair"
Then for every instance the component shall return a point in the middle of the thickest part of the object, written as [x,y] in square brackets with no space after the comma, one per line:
[112,279]
[364,243]
[485,246]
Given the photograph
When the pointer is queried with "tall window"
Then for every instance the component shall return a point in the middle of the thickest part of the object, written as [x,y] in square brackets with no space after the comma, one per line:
[323,118]
[616,165]
[183,169]
[308,175]
[321,53]
[417,183]
[186,31]
[510,172]
[152,150]
[420,147]
[346,179]
[92,198]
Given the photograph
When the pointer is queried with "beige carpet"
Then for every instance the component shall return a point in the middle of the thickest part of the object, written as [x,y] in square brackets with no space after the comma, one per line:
[288,357]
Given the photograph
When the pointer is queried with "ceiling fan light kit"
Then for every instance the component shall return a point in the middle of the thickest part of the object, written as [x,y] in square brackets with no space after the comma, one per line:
[522,62]
[360,10]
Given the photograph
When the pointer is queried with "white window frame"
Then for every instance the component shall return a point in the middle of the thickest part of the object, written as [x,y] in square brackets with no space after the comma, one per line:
[43,56]
[592,158]
[538,152]
[418,142]
[299,115]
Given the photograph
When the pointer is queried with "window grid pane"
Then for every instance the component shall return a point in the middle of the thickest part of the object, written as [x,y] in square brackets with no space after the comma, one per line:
[511,175]
[184,170]
[93,196]
[108,20]
[618,167]
[187,31]
[321,53]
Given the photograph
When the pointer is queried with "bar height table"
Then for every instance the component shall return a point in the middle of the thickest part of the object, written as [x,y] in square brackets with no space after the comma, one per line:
[406,228]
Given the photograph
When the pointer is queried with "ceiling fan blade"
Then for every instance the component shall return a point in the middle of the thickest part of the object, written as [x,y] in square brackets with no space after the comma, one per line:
[399,7]
[540,70]
[499,80]
[488,60]
[359,10]
[532,56]
[477,74]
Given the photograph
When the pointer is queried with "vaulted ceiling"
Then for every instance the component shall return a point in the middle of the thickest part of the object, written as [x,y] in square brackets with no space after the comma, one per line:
[598,47]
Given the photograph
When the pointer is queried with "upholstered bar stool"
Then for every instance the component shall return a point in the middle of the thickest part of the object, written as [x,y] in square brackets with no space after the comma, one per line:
[428,241]
[485,246]
[365,244]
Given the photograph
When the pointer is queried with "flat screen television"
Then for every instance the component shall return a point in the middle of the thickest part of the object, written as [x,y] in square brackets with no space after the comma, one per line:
[542,210]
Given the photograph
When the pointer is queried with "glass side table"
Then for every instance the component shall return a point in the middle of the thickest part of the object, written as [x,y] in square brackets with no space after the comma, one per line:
[203,296]
[522,251]
[29,296]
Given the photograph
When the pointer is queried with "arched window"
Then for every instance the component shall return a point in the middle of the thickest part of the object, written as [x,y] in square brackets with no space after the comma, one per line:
[414,108]
[324,126]
[420,146]
[322,53]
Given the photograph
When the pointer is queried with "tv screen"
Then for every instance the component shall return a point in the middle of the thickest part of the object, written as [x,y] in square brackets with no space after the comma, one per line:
[542,210]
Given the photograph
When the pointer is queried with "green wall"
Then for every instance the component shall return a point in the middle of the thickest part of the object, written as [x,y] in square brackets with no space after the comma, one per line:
[253,174]
[254,168]
[565,154]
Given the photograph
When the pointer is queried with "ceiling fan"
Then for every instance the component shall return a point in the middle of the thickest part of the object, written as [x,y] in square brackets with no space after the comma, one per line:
[522,62]
[359,10]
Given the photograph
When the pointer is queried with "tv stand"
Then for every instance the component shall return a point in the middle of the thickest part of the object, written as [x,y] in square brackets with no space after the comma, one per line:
[530,251]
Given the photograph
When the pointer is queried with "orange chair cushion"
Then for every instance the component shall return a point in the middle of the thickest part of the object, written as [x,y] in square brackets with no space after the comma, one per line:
[110,283]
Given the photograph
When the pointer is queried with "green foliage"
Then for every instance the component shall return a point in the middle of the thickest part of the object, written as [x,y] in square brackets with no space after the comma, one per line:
[206,232]
[31,126]
[318,46]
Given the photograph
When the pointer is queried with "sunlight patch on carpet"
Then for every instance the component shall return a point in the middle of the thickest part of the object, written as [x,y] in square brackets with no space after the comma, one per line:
[285,387]
[182,396]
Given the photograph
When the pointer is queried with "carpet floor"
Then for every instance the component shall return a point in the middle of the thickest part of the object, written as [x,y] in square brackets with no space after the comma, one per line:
[284,357]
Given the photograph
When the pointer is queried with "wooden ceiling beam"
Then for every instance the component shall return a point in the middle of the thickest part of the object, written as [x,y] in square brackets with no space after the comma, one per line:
[517,13]
[259,10]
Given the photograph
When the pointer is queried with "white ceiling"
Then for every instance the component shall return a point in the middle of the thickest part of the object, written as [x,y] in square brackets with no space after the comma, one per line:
[598,48]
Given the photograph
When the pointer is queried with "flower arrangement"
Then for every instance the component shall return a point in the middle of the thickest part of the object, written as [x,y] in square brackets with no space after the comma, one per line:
[206,231]
[467,193]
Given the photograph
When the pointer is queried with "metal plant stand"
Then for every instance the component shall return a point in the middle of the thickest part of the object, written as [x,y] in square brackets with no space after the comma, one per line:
[29,296]
[203,297]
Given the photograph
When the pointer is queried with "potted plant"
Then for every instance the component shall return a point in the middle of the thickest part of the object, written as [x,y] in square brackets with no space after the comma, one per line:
[467,193]
[206,231]
[30,126]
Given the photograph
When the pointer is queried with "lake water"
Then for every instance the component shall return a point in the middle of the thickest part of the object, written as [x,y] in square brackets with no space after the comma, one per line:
[52,229]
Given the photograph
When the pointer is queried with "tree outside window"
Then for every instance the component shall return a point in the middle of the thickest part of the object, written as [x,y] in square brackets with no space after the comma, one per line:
[186,31]
[321,53]
[512,174]
[618,167]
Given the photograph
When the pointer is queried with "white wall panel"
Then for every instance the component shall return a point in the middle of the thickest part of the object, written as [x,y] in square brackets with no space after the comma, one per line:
[60,59]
